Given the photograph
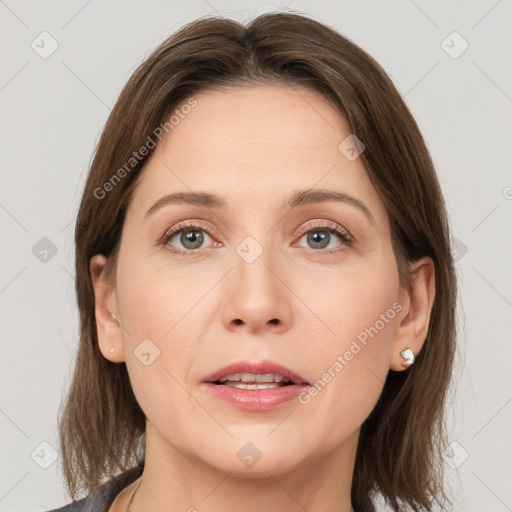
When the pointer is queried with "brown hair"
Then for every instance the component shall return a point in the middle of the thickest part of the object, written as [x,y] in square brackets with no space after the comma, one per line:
[102,427]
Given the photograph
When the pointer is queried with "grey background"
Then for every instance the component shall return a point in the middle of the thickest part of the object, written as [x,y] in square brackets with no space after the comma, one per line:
[53,110]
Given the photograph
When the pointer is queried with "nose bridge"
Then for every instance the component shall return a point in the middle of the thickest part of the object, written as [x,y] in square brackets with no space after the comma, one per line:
[253,262]
[257,296]
[257,250]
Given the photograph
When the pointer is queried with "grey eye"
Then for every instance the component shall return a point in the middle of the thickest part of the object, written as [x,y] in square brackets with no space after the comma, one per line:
[190,238]
[320,238]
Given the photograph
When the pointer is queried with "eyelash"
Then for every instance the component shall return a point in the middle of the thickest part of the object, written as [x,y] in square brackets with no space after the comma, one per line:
[197,226]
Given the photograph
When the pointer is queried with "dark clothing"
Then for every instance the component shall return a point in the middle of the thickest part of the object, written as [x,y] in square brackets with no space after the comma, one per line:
[104,495]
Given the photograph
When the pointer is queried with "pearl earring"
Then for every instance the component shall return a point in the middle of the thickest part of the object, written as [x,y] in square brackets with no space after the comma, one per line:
[114,317]
[408,357]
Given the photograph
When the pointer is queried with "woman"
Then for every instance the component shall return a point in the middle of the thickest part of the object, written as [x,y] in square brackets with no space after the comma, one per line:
[265,284]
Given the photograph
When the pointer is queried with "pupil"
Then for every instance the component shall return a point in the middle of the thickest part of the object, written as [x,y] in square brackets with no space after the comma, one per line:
[321,238]
[193,237]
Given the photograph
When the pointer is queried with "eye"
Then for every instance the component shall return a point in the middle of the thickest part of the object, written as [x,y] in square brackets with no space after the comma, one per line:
[321,237]
[187,238]
[190,236]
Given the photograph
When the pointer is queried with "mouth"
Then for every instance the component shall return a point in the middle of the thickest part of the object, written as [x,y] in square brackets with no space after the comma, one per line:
[254,381]
[255,386]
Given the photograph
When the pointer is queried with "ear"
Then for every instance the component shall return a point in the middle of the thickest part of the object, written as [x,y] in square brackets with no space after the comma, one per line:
[414,317]
[108,328]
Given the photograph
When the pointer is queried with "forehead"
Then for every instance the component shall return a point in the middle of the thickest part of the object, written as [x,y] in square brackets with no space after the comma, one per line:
[260,122]
[260,142]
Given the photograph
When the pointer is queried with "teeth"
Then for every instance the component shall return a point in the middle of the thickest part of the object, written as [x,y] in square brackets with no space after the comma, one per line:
[250,377]
[244,385]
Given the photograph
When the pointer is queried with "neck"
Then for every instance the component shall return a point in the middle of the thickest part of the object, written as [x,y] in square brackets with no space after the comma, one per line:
[174,481]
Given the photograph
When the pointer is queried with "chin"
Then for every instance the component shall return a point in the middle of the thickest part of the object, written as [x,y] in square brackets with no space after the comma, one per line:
[260,469]
[256,459]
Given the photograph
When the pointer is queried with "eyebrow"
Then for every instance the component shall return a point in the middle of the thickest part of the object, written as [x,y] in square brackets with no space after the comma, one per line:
[298,198]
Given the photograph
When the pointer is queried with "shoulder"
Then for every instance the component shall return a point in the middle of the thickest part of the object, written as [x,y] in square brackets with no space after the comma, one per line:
[74,506]
[102,497]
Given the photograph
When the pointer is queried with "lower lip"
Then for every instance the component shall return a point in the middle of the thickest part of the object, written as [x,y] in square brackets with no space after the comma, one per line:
[255,400]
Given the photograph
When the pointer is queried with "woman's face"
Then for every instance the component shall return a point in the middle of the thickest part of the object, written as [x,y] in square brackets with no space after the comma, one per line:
[261,276]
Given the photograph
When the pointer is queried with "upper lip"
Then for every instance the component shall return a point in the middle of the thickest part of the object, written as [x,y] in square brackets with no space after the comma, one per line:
[260,367]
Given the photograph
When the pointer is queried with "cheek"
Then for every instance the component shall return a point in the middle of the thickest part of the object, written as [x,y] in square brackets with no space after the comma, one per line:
[156,298]
[351,365]
[351,372]
[162,336]
[158,351]
[355,303]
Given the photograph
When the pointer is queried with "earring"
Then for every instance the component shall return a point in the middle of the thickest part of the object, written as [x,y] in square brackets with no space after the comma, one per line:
[408,357]
[114,317]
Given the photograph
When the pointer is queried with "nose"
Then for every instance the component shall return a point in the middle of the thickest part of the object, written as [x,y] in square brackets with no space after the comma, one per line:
[258,300]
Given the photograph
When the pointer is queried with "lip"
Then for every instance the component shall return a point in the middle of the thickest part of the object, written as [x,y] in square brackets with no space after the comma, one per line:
[255,400]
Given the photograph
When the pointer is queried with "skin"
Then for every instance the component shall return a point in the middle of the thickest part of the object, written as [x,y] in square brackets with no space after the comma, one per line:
[255,146]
